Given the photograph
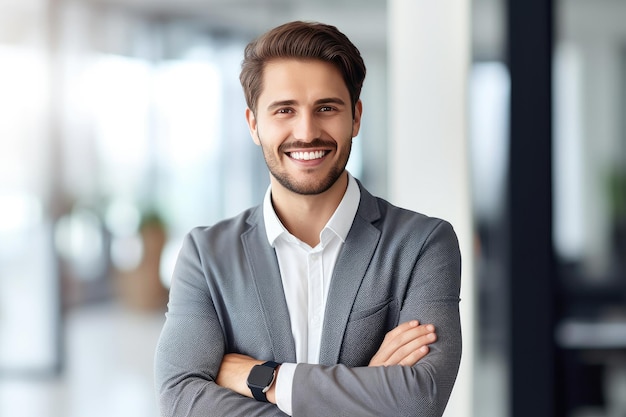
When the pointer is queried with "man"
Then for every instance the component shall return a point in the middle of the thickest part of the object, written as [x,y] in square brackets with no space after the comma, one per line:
[324,300]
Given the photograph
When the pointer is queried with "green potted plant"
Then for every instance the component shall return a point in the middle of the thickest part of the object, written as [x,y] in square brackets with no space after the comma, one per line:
[617,206]
[141,287]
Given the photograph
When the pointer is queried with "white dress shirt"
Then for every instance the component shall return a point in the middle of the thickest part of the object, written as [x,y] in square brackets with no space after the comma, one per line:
[306,273]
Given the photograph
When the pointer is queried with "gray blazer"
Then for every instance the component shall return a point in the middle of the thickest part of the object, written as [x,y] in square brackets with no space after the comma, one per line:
[226,296]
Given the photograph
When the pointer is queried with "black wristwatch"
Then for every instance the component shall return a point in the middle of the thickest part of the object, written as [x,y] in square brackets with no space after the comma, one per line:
[261,379]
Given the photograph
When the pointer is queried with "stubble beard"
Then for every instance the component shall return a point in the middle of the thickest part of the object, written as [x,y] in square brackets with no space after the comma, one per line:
[306,187]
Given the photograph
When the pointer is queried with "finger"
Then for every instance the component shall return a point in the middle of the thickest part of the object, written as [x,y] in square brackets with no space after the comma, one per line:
[409,336]
[397,339]
[415,356]
[410,353]
[401,328]
[387,348]
[413,348]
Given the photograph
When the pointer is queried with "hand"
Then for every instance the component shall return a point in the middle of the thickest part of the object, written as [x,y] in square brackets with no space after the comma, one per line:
[234,371]
[405,345]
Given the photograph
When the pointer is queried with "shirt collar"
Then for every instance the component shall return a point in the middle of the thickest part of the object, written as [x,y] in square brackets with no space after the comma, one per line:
[339,223]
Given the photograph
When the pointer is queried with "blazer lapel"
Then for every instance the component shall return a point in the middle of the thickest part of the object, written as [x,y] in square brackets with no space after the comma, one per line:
[349,271]
[266,276]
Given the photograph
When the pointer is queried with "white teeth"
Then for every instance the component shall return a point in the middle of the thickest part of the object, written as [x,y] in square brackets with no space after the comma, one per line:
[307,155]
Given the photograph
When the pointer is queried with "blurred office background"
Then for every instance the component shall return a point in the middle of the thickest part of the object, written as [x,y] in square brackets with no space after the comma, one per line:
[121,127]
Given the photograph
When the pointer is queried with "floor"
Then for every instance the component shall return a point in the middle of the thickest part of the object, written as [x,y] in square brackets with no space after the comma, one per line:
[110,353]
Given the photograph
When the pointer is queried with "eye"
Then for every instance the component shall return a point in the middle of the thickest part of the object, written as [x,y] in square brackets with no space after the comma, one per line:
[326,108]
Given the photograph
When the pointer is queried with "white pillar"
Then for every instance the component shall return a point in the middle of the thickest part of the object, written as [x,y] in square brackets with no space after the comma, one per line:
[429,55]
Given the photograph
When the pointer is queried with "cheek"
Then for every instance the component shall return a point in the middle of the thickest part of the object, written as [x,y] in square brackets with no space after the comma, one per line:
[269,135]
[274,132]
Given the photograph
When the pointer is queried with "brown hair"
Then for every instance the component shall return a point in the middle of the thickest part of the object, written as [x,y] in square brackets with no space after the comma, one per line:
[301,40]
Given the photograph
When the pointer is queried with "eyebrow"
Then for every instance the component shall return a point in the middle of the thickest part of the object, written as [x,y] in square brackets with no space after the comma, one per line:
[328,100]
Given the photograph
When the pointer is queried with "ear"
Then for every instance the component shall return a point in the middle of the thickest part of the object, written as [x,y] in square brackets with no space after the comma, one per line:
[356,120]
[252,126]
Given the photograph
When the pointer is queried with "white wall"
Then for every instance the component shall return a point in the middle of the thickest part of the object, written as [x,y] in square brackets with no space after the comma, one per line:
[429,53]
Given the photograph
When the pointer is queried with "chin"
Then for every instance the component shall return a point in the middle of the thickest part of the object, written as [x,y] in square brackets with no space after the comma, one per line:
[310,186]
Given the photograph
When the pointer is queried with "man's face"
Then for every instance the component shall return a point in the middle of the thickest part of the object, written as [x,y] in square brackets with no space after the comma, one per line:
[304,124]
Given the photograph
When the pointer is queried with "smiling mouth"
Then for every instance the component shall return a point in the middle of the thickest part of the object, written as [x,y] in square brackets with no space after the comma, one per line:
[307,156]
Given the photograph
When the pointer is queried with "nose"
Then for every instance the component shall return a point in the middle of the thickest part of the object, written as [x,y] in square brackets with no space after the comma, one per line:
[306,128]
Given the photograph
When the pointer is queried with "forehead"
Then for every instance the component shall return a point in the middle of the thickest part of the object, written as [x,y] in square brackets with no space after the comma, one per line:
[297,77]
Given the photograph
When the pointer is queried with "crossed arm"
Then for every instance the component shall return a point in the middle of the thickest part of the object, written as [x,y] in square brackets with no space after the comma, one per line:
[197,377]
[404,345]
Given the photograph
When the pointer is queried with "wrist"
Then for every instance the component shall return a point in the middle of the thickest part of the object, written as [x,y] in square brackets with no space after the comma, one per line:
[261,380]
[271,393]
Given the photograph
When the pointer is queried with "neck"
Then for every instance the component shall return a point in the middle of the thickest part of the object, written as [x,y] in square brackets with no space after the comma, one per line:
[305,216]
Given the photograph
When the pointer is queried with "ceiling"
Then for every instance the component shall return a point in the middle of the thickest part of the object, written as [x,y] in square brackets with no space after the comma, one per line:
[364,21]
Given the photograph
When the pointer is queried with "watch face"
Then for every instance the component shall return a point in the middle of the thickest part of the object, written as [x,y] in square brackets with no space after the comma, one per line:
[260,376]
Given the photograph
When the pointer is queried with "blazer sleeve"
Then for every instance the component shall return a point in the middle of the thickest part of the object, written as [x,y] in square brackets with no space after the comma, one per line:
[191,348]
[431,296]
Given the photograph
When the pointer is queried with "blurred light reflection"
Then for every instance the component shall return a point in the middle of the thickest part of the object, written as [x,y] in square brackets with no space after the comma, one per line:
[79,240]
